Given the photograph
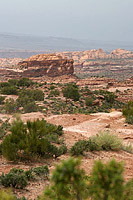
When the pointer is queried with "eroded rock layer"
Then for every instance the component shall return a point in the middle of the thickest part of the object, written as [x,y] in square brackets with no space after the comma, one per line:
[46,64]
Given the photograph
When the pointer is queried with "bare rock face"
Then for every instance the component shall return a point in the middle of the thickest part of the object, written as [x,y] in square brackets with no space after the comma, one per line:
[46,64]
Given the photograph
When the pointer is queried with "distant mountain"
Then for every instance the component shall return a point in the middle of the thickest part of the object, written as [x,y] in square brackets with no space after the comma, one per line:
[12,45]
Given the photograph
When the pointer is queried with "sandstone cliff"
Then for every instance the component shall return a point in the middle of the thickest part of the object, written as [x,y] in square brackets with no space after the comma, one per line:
[46,64]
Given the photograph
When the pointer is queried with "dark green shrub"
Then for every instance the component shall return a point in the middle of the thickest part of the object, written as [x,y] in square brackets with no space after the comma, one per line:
[36,95]
[24,82]
[129,119]
[11,106]
[30,107]
[128,112]
[2,100]
[4,84]
[30,139]
[15,178]
[42,171]
[102,142]
[88,101]
[79,148]
[54,93]
[71,91]
[4,128]
[24,100]
[9,90]
[107,182]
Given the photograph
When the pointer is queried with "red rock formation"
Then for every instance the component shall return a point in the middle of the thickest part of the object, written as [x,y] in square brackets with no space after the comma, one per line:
[46,64]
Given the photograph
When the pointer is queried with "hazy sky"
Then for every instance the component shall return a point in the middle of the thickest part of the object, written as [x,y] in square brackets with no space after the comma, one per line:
[85,19]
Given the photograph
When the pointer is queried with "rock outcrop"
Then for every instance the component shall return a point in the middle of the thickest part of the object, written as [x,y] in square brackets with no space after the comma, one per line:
[46,64]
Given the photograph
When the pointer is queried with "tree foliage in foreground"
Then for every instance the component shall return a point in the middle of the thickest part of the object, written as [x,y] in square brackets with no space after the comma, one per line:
[106,182]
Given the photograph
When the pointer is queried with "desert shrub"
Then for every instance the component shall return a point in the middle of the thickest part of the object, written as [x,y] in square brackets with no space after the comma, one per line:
[24,100]
[24,82]
[15,178]
[4,84]
[105,141]
[41,171]
[6,195]
[36,95]
[110,97]
[10,106]
[2,100]
[67,182]
[128,112]
[9,90]
[71,91]
[79,147]
[88,101]
[18,178]
[107,182]
[128,147]
[54,93]
[129,119]
[13,82]
[30,107]
[52,87]
[30,139]
[4,128]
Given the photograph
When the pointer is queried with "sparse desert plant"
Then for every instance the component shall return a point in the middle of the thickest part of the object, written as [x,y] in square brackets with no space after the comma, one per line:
[4,128]
[2,98]
[6,195]
[79,148]
[71,91]
[11,106]
[9,90]
[128,147]
[128,112]
[106,141]
[30,107]
[15,178]
[101,142]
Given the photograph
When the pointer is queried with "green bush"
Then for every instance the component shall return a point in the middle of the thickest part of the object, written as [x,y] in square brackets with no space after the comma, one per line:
[11,106]
[41,171]
[105,141]
[102,142]
[54,93]
[36,95]
[107,182]
[67,182]
[79,147]
[30,139]
[4,128]
[2,100]
[88,101]
[18,178]
[30,107]
[6,195]
[9,90]
[128,112]
[71,91]
[15,178]
[24,82]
